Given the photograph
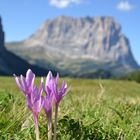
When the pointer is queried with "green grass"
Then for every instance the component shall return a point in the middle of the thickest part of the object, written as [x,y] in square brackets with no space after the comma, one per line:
[93,109]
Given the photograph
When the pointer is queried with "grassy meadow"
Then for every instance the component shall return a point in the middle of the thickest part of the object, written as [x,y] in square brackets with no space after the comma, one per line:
[92,110]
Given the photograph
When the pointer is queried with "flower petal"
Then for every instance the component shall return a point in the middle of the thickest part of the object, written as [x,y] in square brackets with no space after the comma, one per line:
[30,77]
[29,102]
[49,83]
[41,86]
[18,82]
[23,83]
[48,104]
[63,87]
[48,78]
[37,106]
[35,94]
[56,79]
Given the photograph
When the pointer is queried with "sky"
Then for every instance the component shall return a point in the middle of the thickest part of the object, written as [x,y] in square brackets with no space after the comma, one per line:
[21,18]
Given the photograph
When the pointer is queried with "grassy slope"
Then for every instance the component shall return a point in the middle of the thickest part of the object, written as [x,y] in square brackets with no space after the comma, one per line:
[93,109]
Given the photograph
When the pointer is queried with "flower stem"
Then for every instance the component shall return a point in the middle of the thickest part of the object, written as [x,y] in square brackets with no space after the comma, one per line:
[36,126]
[50,127]
[55,121]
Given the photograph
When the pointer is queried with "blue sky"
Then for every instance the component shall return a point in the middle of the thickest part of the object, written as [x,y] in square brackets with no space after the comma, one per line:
[21,18]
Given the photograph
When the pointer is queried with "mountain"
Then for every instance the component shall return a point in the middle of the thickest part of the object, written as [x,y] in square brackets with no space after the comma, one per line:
[78,46]
[10,63]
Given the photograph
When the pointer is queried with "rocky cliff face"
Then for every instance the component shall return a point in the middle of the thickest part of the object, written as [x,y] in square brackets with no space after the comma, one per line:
[10,63]
[75,45]
[1,37]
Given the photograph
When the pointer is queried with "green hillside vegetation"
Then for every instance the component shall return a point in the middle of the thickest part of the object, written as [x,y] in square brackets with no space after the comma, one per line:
[93,109]
[134,76]
[95,74]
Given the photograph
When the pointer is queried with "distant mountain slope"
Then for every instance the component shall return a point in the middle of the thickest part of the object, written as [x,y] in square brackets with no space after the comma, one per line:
[10,63]
[133,76]
[78,46]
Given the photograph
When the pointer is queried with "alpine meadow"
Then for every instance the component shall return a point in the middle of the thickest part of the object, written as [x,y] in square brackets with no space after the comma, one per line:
[92,109]
[69,70]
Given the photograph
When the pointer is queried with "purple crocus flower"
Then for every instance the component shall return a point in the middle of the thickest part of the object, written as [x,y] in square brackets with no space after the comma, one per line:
[33,95]
[26,84]
[51,86]
[59,94]
[35,100]
[52,92]
[48,101]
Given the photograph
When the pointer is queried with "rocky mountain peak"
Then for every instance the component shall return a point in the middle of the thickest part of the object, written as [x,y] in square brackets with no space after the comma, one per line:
[98,37]
[89,42]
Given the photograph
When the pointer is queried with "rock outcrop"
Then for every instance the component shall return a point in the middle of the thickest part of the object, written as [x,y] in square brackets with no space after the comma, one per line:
[78,46]
[10,63]
[1,37]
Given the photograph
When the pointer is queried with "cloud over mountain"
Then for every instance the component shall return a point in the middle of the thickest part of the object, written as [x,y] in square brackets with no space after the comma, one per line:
[124,6]
[63,3]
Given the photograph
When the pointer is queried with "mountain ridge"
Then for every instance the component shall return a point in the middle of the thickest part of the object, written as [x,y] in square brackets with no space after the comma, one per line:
[71,45]
[10,63]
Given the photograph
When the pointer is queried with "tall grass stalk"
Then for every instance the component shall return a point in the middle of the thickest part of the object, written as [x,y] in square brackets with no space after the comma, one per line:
[36,127]
[55,121]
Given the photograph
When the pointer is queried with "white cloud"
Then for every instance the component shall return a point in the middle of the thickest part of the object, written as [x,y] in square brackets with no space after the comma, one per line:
[64,3]
[124,6]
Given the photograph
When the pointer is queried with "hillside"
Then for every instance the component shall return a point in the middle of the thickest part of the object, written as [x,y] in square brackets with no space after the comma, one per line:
[133,76]
[10,63]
